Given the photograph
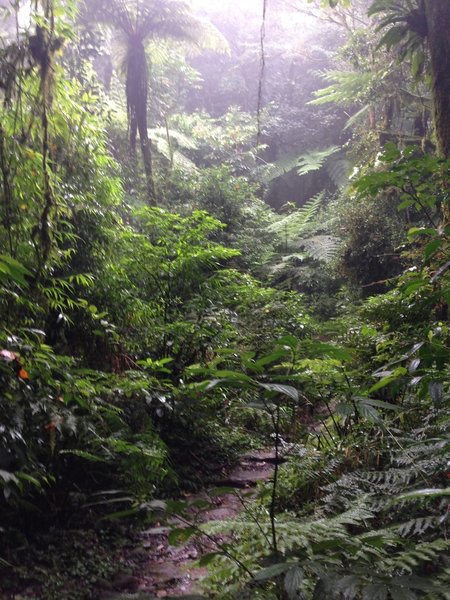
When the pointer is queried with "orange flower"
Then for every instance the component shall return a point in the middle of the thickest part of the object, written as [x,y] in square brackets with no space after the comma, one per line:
[22,374]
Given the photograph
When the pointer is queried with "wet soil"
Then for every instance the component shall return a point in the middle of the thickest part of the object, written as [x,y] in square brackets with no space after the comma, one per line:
[163,570]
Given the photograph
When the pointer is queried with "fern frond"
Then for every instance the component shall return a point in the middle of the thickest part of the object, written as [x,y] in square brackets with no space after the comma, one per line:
[181,139]
[321,247]
[163,147]
[345,89]
[280,167]
[339,171]
[291,226]
[360,114]
[421,553]
[314,160]
[418,526]
[305,163]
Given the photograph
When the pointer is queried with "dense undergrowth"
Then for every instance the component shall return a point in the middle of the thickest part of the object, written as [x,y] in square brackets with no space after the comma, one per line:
[157,324]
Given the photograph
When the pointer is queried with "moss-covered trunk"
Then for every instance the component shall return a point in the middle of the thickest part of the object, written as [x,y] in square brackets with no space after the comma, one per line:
[438,24]
[438,33]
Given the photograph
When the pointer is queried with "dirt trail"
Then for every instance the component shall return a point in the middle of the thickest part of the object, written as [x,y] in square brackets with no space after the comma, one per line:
[169,571]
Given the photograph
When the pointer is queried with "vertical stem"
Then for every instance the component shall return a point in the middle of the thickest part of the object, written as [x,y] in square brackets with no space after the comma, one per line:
[48,195]
[276,423]
[261,73]
[45,35]
[169,143]
[146,149]
[6,190]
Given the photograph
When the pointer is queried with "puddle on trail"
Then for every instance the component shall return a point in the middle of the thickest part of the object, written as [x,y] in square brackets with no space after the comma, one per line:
[168,571]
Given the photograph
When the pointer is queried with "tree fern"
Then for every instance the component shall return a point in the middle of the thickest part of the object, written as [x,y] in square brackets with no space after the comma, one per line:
[293,225]
[321,247]
[346,87]
[293,230]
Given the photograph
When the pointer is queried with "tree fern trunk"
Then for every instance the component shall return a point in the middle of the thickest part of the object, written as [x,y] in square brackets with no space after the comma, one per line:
[137,94]
[146,149]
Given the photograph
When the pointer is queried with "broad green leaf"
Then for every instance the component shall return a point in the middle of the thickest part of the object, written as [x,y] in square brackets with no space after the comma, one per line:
[83,454]
[375,591]
[180,535]
[272,571]
[13,270]
[368,412]
[413,365]
[377,403]
[233,376]
[271,358]
[396,374]
[157,504]
[436,390]
[432,247]
[8,477]
[293,580]
[285,390]
[288,340]
[332,351]
[416,231]
[345,409]
[422,494]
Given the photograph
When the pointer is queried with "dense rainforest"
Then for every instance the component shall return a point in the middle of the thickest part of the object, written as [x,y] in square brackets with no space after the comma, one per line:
[224,244]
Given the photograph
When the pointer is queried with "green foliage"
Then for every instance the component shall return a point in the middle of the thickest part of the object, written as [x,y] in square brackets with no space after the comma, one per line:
[53,566]
[405,28]
[138,354]
[157,284]
[372,231]
[304,164]
[228,140]
[234,201]
[69,438]
[292,232]
[346,89]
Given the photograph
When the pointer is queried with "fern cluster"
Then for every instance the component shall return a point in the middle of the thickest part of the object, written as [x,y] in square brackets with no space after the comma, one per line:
[300,236]
[374,535]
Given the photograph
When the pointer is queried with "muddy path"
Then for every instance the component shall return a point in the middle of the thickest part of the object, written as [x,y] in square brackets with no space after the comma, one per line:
[161,569]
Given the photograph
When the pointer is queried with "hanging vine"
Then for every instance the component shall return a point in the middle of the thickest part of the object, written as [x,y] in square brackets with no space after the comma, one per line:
[43,46]
[261,72]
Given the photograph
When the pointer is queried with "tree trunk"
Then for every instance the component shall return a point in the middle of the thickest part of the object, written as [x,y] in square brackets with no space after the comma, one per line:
[146,149]
[137,93]
[438,34]
[438,25]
